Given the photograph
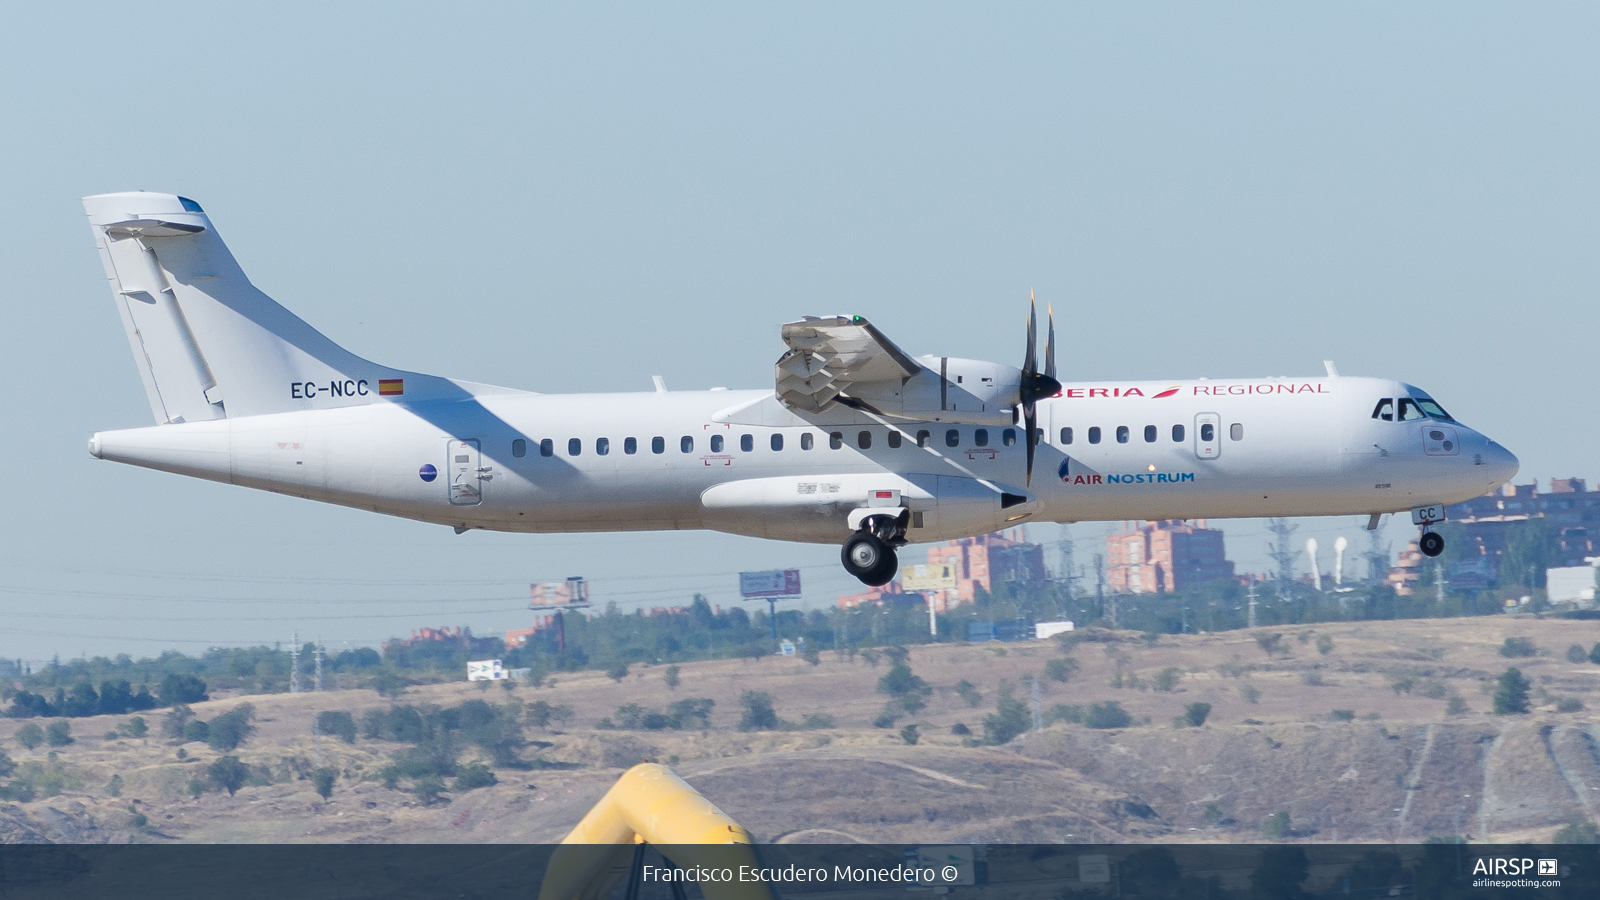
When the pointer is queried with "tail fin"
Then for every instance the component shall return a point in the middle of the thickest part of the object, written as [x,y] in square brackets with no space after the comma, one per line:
[208,344]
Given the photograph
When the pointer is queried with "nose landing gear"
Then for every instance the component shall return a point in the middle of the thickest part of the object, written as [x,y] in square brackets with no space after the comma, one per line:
[1431,543]
[869,553]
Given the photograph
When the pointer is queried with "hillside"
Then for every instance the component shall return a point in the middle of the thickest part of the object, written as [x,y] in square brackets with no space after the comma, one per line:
[1400,769]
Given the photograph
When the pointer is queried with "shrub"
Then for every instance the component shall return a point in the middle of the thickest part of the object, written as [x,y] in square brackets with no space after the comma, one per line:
[899,681]
[670,677]
[1311,677]
[912,703]
[1167,679]
[1569,705]
[886,719]
[178,689]
[1342,715]
[1195,714]
[1270,644]
[960,728]
[1064,713]
[322,780]
[337,723]
[909,734]
[1594,654]
[1456,707]
[1515,647]
[114,786]
[758,713]
[812,656]
[1250,693]
[817,720]
[1060,669]
[195,730]
[231,729]
[30,736]
[228,773]
[1402,685]
[173,722]
[1511,694]
[1581,831]
[138,820]
[58,734]
[1276,826]
[967,691]
[1107,715]
[617,672]
[1010,718]
[390,683]
[689,711]
[1324,644]
[1575,654]
[474,775]
[428,788]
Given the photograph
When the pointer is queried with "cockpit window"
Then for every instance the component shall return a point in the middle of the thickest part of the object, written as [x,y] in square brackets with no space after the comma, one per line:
[1434,410]
[1410,411]
[1384,410]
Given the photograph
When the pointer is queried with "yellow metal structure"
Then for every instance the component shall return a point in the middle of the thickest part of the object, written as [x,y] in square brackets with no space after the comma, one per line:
[650,804]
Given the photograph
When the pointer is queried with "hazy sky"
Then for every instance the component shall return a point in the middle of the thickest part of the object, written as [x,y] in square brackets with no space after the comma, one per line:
[576,198]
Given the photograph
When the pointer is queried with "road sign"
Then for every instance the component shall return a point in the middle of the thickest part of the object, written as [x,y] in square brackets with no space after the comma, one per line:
[771,584]
[927,577]
[570,594]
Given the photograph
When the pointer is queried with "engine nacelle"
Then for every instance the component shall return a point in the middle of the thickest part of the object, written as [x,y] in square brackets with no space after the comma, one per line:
[948,389]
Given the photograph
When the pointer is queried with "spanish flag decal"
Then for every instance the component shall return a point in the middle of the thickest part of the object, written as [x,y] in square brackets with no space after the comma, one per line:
[391,387]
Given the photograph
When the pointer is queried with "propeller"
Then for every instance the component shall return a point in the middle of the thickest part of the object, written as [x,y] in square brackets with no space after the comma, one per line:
[1036,385]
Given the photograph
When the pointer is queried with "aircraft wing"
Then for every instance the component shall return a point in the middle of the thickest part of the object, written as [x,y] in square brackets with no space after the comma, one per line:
[826,357]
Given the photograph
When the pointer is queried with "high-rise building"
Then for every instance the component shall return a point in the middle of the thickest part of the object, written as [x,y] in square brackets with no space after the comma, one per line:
[1164,556]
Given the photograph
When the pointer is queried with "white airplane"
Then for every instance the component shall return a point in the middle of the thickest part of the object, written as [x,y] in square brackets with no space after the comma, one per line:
[858,444]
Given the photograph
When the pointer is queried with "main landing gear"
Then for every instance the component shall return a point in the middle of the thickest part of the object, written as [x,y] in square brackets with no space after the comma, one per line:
[1431,543]
[869,553]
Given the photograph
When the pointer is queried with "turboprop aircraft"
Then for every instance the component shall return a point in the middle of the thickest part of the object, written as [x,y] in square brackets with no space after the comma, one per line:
[857,443]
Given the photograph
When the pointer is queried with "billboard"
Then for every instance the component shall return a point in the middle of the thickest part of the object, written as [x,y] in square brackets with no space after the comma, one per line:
[775,583]
[486,670]
[930,577]
[570,594]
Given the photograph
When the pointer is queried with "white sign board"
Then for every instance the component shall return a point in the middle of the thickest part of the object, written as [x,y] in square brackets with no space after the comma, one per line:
[1043,630]
[775,583]
[1094,868]
[1569,584]
[486,670]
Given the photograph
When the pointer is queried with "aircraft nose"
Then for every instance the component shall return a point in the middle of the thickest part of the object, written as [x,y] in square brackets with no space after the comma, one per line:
[1502,463]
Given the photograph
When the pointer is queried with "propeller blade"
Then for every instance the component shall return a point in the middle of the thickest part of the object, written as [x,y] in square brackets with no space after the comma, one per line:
[1030,362]
[1050,343]
[1029,421]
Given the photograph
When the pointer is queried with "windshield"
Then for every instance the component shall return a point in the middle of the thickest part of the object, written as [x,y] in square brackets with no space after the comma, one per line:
[1433,409]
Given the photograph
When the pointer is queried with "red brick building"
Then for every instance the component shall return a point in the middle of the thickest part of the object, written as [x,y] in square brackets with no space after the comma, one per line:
[1165,556]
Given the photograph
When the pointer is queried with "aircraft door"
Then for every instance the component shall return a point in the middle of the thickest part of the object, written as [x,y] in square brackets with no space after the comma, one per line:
[1208,435]
[466,475]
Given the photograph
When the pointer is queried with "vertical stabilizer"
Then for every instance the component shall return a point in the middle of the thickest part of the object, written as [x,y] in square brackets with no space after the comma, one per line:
[208,344]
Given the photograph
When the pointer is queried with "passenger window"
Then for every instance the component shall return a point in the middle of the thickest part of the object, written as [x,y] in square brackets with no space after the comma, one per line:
[1094,435]
[923,438]
[1122,434]
[716,443]
[1009,437]
[1409,410]
[894,440]
[835,440]
[1384,410]
[777,442]
[952,438]
[547,447]
[602,446]
[1236,431]
[981,437]
[1177,434]
[519,448]
[806,441]
[1066,435]
[1208,433]
[1149,434]
[658,445]
[574,446]
[686,444]
[864,440]
[746,443]
[630,446]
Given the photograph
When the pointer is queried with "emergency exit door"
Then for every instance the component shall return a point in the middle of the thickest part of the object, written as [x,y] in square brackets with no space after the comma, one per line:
[467,475]
[1208,435]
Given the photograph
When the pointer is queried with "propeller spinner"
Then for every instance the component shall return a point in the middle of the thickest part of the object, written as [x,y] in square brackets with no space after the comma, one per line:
[1037,385]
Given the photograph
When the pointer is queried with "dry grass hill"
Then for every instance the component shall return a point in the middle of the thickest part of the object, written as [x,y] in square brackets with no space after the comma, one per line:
[1401,769]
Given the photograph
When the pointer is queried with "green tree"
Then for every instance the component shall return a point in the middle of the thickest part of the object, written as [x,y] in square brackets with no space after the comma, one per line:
[428,788]
[1195,714]
[1575,654]
[114,787]
[7,765]
[228,773]
[390,683]
[337,723]
[1276,826]
[195,730]
[1518,646]
[1594,654]
[58,734]
[671,677]
[322,779]
[1060,669]
[1167,679]
[178,688]
[909,734]
[1511,694]
[969,692]
[1324,644]
[758,713]
[231,729]
[134,728]
[899,681]
[1271,643]
[1107,715]
[1009,719]
[474,775]
[30,736]
[617,672]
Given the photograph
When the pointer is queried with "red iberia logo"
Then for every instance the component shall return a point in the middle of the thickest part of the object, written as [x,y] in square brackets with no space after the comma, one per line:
[391,387]
[1168,392]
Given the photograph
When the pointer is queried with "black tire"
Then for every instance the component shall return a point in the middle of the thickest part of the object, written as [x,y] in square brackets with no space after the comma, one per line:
[886,571]
[1431,544]
[863,556]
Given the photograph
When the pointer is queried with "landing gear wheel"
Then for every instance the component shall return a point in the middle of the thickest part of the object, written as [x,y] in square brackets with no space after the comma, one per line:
[1431,543]
[869,559]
